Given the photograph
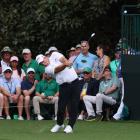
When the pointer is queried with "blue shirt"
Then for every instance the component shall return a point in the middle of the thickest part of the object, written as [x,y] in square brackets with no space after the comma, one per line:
[11,85]
[26,85]
[83,61]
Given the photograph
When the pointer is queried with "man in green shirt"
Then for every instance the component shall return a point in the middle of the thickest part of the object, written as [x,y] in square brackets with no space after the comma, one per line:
[46,92]
[30,63]
[109,90]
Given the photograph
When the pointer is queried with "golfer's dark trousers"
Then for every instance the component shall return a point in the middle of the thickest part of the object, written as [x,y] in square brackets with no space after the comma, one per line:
[69,96]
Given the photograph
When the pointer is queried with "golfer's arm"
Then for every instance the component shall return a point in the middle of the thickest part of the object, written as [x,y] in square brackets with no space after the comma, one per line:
[61,67]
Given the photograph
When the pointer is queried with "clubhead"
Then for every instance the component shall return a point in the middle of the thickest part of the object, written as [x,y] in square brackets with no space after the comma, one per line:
[93,34]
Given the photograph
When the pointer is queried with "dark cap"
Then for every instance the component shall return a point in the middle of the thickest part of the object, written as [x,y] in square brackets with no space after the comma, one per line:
[118,50]
[107,68]
[6,49]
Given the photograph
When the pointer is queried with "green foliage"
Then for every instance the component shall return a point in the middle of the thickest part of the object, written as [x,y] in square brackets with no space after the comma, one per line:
[37,24]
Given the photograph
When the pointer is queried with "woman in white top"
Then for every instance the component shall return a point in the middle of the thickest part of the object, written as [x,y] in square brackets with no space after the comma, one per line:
[17,71]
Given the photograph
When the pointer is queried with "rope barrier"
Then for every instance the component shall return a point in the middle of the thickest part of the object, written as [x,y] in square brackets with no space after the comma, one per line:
[15,106]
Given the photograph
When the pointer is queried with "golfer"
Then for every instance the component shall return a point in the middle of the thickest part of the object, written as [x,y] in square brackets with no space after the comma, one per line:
[69,93]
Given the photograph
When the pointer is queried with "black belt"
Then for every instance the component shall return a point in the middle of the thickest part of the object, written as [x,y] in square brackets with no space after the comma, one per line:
[70,82]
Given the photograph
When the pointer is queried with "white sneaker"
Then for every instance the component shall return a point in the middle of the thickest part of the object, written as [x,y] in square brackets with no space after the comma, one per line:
[80,117]
[39,117]
[8,118]
[56,128]
[1,118]
[68,129]
[20,118]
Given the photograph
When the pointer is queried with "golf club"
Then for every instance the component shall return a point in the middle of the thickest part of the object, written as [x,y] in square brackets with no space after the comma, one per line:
[92,35]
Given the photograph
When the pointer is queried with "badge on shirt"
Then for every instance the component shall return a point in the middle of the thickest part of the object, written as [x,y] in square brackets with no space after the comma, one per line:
[84,61]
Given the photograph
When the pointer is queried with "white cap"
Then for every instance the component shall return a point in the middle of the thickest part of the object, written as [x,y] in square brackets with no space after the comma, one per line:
[30,69]
[39,58]
[14,58]
[78,46]
[72,49]
[26,50]
[47,52]
[53,48]
[6,68]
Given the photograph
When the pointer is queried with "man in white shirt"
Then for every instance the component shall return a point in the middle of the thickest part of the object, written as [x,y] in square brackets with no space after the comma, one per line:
[6,53]
[12,93]
[69,93]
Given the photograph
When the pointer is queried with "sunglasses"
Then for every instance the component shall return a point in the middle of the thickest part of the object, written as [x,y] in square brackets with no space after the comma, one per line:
[8,71]
[84,41]
[86,72]
[107,70]
[84,46]
[31,72]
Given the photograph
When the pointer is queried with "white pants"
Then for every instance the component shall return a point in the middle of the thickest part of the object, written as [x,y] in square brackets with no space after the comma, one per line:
[117,116]
[88,101]
[100,98]
[37,100]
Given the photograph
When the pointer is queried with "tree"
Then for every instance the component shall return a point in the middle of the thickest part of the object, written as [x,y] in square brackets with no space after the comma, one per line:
[37,24]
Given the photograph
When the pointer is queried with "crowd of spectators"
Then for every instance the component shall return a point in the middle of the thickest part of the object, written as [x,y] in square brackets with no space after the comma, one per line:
[28,85]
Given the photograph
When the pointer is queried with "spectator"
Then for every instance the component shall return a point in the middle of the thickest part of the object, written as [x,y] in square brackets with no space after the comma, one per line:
[78,49]
[29,62]
[71,54]
[116,71]
[1,103]
[51,50]
[18,73]
[28,88]
[109,90]
[47,54]
[46,92]
[12,93]
[101,63]
[89,88]
[6,53]
[85,59]
[115,64]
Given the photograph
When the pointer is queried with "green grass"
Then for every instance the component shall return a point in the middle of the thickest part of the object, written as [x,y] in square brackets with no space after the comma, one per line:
[40,130]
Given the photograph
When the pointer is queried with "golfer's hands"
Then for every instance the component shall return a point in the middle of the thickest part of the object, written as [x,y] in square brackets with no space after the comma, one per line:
[67,63]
